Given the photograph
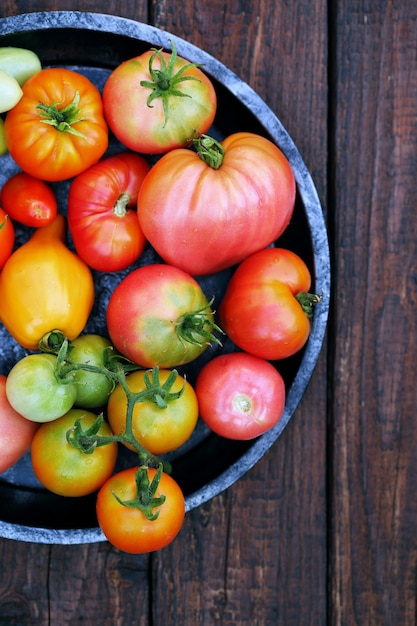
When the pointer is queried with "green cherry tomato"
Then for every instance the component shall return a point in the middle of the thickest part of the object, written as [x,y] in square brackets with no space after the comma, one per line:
[33,390]
[93,388]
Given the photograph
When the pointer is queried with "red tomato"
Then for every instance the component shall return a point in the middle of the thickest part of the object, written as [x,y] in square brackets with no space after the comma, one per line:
[203,217]
[6,237]
[57,129]
[28,200]
[262,310]
[104,227]
[61,467]
[240,396]
[16,432]
[158,101]
[159,315]
[127,528]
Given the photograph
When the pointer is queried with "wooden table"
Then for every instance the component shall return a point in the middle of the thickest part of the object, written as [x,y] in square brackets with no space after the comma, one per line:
[323,529]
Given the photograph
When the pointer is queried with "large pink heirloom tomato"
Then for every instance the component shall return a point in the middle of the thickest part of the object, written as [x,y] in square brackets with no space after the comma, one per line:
[158,101]
[207,210]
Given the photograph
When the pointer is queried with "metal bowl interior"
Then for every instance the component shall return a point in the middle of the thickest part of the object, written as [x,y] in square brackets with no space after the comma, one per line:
[204,467]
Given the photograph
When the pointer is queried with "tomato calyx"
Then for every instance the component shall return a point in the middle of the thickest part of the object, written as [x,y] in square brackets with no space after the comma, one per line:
[164,82]
[308,301]
[145,500]
[197,327]
[62,119]
[161,395]
[209,150]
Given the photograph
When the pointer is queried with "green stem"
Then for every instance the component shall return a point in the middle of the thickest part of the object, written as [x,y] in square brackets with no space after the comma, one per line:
[87,440]
[209,150]
[198,327]
[164,81]
[120,206]
[62,119]
[308,301]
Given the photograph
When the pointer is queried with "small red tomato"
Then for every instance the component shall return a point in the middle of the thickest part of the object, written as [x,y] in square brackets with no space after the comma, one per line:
[102,215]
[6,237]
[240,396]
[28,200]
[16,432]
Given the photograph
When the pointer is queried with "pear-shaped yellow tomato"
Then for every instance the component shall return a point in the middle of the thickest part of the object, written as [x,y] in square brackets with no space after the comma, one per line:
[44,286]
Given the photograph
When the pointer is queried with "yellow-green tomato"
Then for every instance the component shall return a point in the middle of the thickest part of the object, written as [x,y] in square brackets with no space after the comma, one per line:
[65,469]
[10,92]
[159,430]
[34,391]
[19,63]
[3,144]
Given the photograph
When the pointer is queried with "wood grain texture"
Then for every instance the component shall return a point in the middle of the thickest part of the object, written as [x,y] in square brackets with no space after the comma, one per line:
[322,530]
[374,395]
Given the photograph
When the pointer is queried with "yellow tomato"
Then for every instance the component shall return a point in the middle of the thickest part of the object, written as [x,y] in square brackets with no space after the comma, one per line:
[44,286]
[159,430]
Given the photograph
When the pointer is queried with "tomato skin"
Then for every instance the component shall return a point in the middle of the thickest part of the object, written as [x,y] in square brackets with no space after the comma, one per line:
[159,430]
[241,207]
[33,390]
[44,286]
[271,265]
[10,91]
[240,396]
[19,63]
[128,529]
[3,144]
[143,128]
[16,432]
[93,388]
[6,237]
[102,214]
[65,470]
[260,312]
[28,200]
[44,151]
[144,309]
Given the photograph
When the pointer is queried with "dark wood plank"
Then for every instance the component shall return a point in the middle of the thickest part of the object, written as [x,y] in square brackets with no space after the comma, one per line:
[266,537]
[255,555]
[374,508]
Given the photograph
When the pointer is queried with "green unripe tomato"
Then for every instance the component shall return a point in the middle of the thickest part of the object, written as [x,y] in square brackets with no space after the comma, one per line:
[33,390]
[10,92]
[19,63]
[93,389]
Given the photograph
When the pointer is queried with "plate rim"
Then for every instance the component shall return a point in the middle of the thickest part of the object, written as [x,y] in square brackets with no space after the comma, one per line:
[127,27]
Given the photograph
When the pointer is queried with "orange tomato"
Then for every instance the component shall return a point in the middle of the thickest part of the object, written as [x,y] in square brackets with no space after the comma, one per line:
[57,129]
